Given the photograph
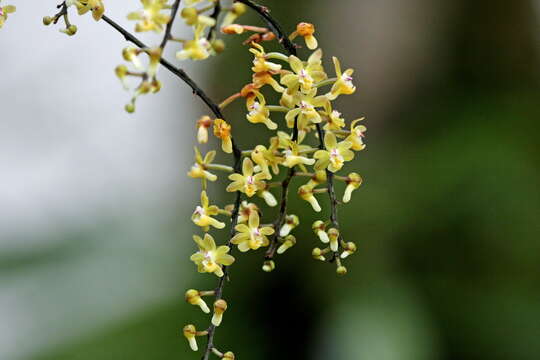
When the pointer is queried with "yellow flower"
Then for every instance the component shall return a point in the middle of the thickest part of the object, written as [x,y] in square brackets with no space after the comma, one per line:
[333,118]
[258,157]
[245,210]
[196,49]
[202,129]
[272,155]
[4,11]
[260,63]
[209,258]
[83,6]
[150,16]
[251,236]
[202,216]
[198,170]
[246,182]
[343,84]
[306,110]
[258,112]
[291,152]
[335,154]
[304,75]
[222,130]
[306,30]
[333,235]
[357,135]
[353,182]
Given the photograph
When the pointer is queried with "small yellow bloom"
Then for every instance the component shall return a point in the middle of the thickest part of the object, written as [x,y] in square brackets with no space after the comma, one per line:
[83,6]
[247,182]
[202,129]
[343,84]
[333,118]
[261,63]
[306,30]
[305,75]
[258,112]
[357,135]
[291,153]
[209,258]
[202,216]
[353,182]
[190,332]
[335,154]
[150,16]
[194,298]
[219,308]
[258,157]
[4,11]
[222,130]
[306,193]
[251,236]
[245,210]
[196,49]
[306,110]
[199,169]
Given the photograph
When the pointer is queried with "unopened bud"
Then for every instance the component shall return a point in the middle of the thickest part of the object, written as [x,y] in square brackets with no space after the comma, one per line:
[289,242]
[228,356]
[269,265]
[349,250]
[317,254]
[190,333]
[219,308]
[333,235]
[319,229]
[341,270]
[194,298]
[291,221]
[47,20]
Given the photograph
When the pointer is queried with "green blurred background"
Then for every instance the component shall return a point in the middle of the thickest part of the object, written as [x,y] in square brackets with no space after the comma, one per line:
[446,221]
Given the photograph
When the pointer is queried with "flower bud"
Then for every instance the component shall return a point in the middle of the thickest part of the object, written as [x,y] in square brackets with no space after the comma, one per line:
[349,250]
[333,235]
[190,333]
[190,15]
[341,270]
[269,265]
[232,29]
[228,356]
[47,20]
[291,221]
[130,108]
[353,182]
[317,254]
[318,178]
[219,308]
[71,30]
[319,229]
[130,54]
[218,45]
[306,193]
[202,129]
[238,8]
[193,297]
[268,197]
[306,30]
[289,242]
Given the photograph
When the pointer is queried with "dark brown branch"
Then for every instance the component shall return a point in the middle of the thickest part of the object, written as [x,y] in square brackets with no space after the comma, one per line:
[167,36]
[264,12]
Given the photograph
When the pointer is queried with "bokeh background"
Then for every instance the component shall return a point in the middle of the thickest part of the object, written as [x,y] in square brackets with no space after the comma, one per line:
[94,212]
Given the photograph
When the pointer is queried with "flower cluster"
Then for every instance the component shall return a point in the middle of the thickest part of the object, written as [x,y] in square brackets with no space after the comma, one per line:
[309,142]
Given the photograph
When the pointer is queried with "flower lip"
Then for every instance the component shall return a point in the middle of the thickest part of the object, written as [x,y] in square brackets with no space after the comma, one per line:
[250,180]
[199,210]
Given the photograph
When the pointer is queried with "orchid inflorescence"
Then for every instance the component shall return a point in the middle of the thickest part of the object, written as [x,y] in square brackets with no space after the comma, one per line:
[310,139]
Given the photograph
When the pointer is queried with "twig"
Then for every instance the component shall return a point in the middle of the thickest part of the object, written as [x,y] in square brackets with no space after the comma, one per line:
[214,15]
[272,23]
[167,35]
